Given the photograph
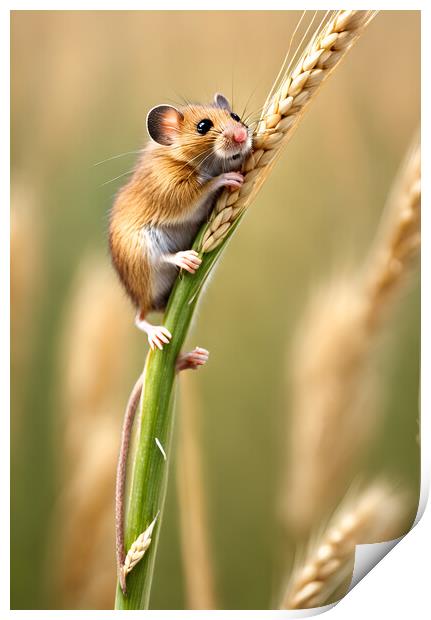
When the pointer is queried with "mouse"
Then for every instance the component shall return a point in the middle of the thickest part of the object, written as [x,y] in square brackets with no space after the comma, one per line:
[194,152]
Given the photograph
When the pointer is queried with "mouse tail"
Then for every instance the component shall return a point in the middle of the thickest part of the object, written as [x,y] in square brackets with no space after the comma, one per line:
[192,360]
[120,489]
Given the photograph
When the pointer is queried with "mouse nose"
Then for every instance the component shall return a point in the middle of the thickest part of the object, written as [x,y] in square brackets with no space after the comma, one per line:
[240,135]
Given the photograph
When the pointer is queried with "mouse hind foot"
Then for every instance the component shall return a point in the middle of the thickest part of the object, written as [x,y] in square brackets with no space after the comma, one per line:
[192,360]
[158,335]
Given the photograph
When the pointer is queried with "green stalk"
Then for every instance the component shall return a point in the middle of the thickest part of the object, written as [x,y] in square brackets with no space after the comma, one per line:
[147,469]
[147,475]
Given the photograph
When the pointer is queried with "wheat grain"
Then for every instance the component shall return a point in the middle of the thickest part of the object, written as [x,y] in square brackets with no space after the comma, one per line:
[95,325]
[137,551]
[398,242]
[330,44]
[97,338]
[333,401]
[26,268]
[26,293]
[374,515]
[281,114]
[334,395]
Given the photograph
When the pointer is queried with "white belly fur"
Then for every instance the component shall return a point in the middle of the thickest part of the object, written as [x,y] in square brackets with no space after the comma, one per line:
[162,240]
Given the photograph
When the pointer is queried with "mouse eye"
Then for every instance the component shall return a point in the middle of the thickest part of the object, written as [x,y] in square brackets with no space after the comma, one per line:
[204,126]
[235,117]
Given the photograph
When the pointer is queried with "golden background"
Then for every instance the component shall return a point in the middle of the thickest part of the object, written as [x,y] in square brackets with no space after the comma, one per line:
[82,83]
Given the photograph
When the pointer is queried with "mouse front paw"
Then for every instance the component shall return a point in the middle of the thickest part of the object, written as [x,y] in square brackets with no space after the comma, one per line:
[188,260]
[157,336]
[233,180]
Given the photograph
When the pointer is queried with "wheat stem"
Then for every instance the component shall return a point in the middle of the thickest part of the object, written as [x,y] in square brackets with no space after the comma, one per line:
[147,468]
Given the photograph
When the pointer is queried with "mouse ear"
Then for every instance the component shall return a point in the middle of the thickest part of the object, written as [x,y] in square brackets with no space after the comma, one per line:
[221,101]
[163,123]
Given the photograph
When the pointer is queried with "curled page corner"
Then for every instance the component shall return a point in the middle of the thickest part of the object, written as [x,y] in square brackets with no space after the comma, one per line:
[368,556]
[307,613]
[423,496]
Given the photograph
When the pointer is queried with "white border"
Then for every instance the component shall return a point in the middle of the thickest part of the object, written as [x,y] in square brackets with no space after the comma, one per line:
[399,584]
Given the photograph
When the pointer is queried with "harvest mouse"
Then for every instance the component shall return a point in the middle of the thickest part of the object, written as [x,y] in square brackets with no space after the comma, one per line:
[195,152]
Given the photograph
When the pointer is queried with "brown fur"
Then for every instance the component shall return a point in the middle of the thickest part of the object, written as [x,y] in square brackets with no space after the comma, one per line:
[165,189]
[157,213]
[136,206]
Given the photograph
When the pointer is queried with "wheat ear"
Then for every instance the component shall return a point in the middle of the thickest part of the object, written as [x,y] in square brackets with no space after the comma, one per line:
[282,113]
[398,242]
[137,550]
[26,292]
[148,474]
[92,380]
[333,387]
[332,394]
[26,268]
[374,515]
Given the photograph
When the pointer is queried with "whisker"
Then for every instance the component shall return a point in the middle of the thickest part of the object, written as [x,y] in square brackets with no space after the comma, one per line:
[116,178]
[103,161]
[248,100]
[213,152]
[253,116]
[189,162]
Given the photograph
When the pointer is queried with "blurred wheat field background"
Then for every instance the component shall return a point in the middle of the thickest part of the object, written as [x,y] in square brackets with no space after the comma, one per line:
[82,83]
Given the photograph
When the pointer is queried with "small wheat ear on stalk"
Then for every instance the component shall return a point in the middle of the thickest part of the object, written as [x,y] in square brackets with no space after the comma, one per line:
[376,514]
[137,551]
[333,387]
[147,472]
